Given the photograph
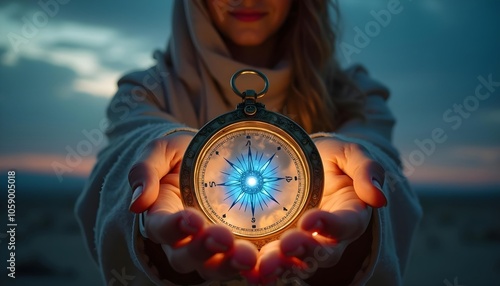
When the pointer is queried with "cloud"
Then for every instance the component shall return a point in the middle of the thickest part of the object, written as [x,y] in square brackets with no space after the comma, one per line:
[93,52]
[41,112]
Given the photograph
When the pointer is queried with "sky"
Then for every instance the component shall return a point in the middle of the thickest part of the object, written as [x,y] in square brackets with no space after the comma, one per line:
[60,60]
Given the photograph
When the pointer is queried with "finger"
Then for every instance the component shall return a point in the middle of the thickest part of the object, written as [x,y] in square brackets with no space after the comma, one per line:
[367,175]
[241,258]
[159,158]
[144,176]
[168,200]
[314,250]
[293,243]
[214,239]
[244,256]
[144,193]
[251,276]
[272,265]
[171,229]
[193,254]
[340,225]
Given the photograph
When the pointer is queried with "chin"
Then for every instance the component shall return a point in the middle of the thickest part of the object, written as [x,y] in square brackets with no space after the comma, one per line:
[249,43]
[248,40]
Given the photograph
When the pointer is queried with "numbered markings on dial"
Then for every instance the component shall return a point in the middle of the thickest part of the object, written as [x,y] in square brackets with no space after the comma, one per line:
[251,181]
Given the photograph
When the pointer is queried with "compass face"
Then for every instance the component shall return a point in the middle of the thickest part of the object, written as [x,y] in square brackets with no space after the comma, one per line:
[253,177]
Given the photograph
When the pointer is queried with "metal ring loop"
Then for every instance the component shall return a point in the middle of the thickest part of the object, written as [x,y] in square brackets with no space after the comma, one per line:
[249,71]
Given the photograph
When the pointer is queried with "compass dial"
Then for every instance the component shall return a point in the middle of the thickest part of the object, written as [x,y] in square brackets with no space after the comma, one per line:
[252,179]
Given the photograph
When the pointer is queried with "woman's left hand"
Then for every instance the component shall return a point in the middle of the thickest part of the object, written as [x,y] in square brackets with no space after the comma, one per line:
[352,187]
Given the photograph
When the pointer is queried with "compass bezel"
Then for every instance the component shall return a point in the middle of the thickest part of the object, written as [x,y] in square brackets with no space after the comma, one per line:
[288,131]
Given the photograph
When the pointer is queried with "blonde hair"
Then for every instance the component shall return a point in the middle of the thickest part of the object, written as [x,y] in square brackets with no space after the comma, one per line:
[322,96]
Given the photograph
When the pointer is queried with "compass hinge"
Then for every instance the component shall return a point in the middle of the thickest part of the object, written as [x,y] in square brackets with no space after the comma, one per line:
[249,102]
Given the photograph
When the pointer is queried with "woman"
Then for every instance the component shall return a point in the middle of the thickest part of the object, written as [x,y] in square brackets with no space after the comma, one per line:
[154,116]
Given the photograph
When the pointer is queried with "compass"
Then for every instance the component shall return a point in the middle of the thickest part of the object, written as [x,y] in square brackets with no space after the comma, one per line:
[251,169]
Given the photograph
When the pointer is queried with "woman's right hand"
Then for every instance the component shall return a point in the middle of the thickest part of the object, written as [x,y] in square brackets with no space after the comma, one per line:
[188,242]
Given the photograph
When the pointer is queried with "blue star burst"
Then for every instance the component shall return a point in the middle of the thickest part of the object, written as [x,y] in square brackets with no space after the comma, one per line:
[252,181]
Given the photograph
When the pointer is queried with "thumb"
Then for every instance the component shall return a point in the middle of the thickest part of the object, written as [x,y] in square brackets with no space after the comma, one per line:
[145,184]
[367,175]
[145,175]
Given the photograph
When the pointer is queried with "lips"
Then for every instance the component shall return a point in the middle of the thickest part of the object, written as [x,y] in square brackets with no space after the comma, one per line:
[248,16]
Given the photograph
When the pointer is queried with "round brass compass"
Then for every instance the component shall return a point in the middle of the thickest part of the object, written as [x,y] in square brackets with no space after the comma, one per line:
[253,170]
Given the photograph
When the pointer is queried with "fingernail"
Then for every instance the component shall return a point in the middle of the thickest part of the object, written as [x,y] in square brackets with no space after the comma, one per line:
[377,184]
[317,227]
[238,265]
[186,227]
[215,246]
[299,251]
[136,194]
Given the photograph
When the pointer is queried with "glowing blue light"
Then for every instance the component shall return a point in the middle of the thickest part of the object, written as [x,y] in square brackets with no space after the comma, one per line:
[250,181]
